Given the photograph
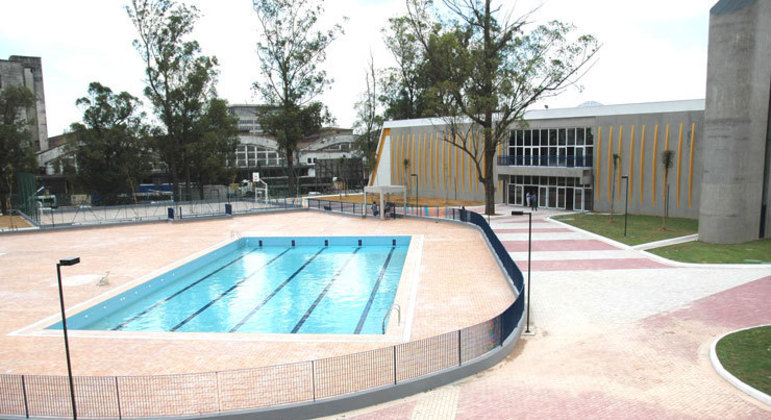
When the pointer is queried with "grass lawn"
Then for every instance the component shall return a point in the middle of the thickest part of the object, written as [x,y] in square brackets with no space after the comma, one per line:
[755,252]
[747,355]
[640,229]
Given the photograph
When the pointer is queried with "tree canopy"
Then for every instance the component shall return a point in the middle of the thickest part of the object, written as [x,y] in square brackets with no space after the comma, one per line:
[179,80]
[486,69]
[17,153]
[110,145]
[291,50]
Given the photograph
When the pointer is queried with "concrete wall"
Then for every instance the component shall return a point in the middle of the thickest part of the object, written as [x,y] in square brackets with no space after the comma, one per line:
[638,132]
[28,72]
[640,140]
[735,186]
[442,170]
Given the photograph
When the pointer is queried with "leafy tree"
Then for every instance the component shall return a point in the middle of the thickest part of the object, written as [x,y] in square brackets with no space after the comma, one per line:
[179,80]
[212,154]
[290,53]
[405,86]
[110,145]
[369,122]
[17,153]
[667,160]
[490,69]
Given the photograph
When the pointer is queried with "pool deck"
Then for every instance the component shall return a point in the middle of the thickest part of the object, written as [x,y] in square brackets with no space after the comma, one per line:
[619,333]
[444,296]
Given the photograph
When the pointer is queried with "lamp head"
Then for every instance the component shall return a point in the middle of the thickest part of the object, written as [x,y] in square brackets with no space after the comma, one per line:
[69,261]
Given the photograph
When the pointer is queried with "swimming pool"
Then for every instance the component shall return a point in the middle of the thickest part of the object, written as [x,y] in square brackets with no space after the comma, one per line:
[301,285]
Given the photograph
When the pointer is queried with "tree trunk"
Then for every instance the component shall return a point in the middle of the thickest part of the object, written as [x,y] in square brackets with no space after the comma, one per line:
[489,178]
[291,181]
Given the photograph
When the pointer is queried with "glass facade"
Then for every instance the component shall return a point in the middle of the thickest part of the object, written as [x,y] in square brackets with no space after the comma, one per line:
[253,156]
[563,147]
[552,147]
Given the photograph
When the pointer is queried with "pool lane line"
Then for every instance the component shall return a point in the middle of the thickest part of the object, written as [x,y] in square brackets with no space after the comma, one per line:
[324,292]
[380,276]
[275,292]
[168,298]
[226,292]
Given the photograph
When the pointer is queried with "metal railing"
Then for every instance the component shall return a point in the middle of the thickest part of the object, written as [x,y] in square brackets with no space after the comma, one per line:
[392,210]
[48,217]
[270,386]
[562,161]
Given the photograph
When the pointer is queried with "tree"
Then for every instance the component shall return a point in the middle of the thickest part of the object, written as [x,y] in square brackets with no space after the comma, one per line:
[616,160]
[111,144]
[179,81]
[490,71]
[290,53]
[405,86]
[212,154]
[17,153]
[667,160]
[369,122]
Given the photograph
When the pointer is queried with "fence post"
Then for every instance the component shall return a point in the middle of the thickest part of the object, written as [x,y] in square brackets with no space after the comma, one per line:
[460,357]
[313,379]
[394,365]
[24,392]
[117,397]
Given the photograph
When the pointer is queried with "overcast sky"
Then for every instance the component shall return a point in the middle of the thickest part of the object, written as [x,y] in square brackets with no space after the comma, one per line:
[653,50]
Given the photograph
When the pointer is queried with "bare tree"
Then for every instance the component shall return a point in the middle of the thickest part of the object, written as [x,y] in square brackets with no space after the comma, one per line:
[491,70]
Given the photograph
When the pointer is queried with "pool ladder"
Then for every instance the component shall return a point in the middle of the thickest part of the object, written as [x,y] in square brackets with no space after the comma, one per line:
[398,313]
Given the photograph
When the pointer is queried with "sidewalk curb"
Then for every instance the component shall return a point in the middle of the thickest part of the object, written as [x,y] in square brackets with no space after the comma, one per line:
[733,380]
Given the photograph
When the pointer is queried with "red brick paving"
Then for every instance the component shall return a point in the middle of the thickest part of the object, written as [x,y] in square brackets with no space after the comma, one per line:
[559,245]
[594,264]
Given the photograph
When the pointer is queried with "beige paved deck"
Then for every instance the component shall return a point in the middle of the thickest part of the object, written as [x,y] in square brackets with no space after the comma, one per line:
[449,294]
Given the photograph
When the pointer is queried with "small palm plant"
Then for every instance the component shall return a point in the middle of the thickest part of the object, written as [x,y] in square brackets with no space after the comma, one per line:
[616,160]
[667,159]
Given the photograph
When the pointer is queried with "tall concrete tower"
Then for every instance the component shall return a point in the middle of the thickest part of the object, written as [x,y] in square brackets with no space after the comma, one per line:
[734,204]
[28,72]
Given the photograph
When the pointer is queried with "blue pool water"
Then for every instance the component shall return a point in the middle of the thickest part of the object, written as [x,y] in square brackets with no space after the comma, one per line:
[336,285]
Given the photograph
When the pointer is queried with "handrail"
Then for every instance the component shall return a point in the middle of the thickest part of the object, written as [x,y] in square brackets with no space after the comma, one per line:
[388,312]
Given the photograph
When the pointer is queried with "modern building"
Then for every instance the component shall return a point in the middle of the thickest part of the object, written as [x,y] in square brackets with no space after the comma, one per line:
[604,157]
[257,152]
[28,72]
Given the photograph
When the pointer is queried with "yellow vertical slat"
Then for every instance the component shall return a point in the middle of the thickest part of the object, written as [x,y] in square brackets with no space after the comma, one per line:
[455,163]
[597,175]
[394,159]
[666,147]
[631,165]
[690,166]
[445,165]
[679,162]
[432,141]
[642,163]
[655,167]
[610,160]
[470,175]
[425,160]
[620,163]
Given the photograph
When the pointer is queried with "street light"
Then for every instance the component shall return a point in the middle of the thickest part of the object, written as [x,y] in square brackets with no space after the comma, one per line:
[66,262]
[417,195]
[626,199]
[529,248]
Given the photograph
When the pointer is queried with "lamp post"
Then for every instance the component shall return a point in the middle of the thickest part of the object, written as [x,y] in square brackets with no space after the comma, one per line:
[529,249]
[66,262]
[626,198]
[417,193]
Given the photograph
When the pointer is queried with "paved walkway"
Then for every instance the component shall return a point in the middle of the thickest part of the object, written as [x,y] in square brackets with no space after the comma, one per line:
[619,333]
